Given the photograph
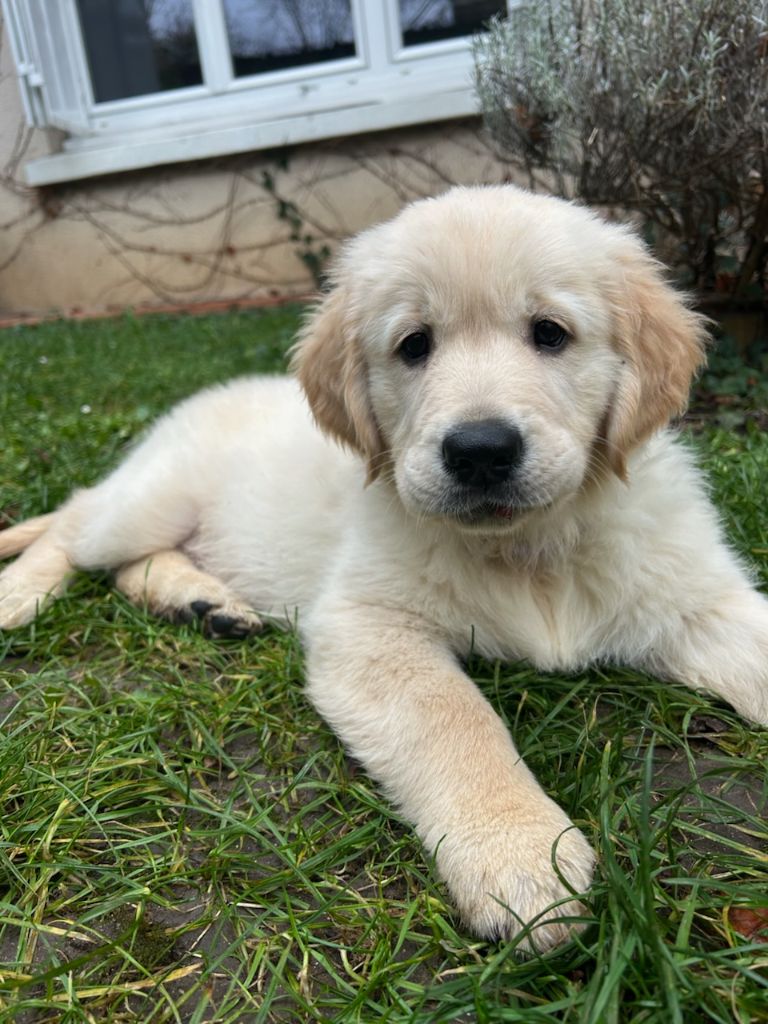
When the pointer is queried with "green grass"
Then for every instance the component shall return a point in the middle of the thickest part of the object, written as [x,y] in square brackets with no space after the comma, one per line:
[183,840]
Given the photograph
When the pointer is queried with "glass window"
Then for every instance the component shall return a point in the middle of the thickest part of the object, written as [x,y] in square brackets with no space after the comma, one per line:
[425,21]
[268,35]
[135,47]
[170,65]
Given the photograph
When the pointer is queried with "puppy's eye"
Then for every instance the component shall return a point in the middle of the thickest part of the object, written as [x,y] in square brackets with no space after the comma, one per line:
[415,347]
[549,335]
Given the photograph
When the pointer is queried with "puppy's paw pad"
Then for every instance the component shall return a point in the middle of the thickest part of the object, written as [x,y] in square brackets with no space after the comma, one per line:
[201,608]
[229,621]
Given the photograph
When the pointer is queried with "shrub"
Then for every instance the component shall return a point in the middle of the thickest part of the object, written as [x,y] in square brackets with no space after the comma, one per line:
[657,106]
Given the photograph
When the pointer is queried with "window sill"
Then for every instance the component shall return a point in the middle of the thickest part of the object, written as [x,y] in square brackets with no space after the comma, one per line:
[197,140]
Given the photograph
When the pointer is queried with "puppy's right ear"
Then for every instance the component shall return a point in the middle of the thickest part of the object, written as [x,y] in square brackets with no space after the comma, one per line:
[329,362]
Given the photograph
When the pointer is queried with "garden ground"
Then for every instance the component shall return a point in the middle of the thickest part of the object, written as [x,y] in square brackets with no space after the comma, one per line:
[183,840]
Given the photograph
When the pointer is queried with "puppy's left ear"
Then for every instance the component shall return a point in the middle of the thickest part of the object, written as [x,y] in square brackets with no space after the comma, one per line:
[662,342]
[329,362]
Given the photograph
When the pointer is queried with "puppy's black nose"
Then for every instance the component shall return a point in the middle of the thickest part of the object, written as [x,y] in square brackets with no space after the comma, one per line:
[483,453]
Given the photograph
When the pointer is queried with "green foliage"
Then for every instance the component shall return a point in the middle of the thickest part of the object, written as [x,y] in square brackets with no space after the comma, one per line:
[732,392]
[183,840]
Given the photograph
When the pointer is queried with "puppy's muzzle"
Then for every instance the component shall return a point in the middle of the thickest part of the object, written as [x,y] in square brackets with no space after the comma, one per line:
[483,454]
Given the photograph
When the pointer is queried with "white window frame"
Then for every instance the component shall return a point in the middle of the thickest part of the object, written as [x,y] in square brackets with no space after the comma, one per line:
[385,85]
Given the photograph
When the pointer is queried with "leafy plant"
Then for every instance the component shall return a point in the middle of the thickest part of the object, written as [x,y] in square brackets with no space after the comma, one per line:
[655,106]
[314,257]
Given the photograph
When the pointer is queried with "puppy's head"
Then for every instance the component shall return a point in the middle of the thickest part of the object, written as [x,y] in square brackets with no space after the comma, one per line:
[493,350]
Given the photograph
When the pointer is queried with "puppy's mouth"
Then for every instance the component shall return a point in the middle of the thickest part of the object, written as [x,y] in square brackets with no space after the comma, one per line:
[488,512]
[503,511]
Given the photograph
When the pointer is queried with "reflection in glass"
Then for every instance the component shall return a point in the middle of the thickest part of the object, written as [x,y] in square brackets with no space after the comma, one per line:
[135,47]
[267,35]
[425,21]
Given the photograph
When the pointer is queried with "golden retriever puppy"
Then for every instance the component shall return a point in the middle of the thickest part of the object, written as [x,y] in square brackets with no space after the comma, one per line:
[499,368]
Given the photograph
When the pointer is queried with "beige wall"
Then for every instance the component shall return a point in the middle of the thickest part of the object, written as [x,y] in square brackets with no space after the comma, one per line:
[207,231]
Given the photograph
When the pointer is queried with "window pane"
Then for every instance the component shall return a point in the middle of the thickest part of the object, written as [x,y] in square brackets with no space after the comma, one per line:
[267,35]
[424,21]
[136,47]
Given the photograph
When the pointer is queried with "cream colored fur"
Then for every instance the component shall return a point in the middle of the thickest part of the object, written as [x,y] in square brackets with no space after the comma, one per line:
[237,500]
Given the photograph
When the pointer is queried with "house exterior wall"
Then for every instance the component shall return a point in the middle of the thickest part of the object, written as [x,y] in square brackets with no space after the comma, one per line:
[242,228]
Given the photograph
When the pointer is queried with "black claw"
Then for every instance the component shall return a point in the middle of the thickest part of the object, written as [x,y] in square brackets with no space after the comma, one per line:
[201,608]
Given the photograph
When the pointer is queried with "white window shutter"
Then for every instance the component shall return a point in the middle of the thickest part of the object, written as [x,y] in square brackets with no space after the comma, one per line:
[45,41]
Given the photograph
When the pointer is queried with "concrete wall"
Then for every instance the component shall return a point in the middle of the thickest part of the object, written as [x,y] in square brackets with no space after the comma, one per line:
[210,231]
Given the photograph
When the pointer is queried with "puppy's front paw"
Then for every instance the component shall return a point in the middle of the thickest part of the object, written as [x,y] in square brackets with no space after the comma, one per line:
[504,876]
